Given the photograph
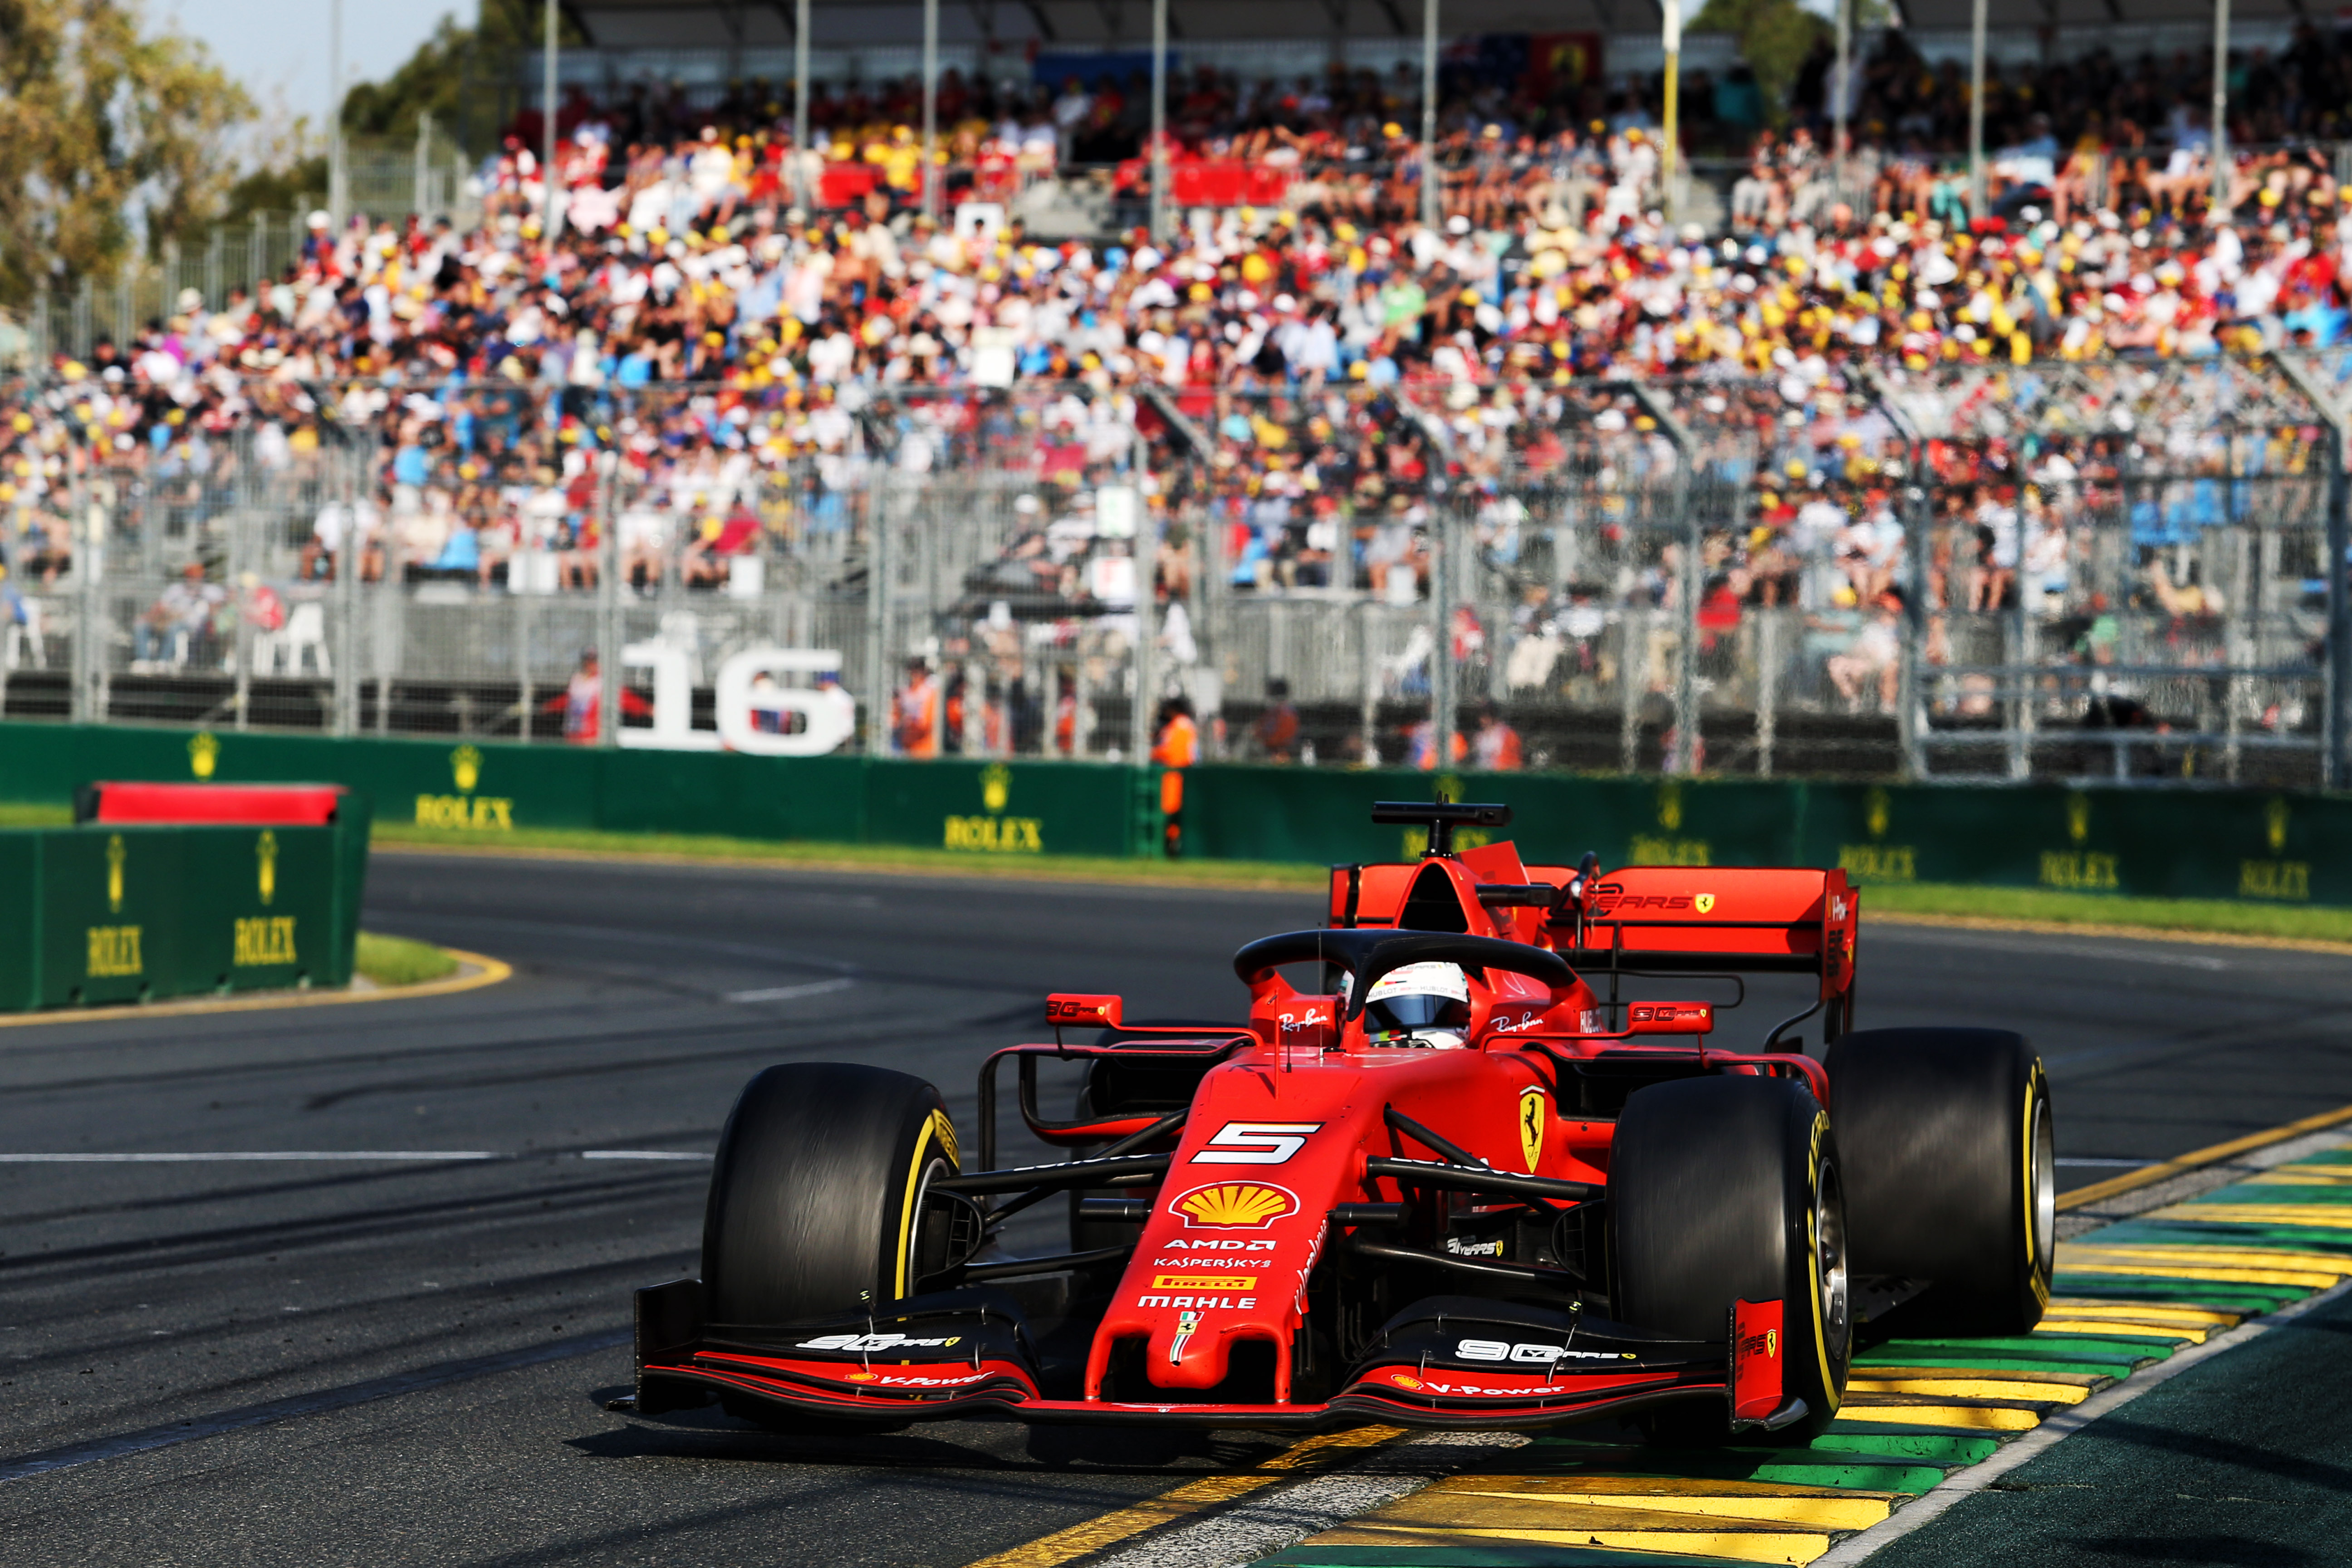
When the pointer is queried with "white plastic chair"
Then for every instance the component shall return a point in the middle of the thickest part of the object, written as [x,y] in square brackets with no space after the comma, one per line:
[281,652]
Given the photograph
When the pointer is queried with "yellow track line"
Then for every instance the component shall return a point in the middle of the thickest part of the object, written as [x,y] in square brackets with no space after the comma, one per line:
[2131,1181]
[1108,1530]
[2310,1216]
[488,972]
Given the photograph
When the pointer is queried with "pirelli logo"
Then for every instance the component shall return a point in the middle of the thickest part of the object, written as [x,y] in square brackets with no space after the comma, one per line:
[1205,1282]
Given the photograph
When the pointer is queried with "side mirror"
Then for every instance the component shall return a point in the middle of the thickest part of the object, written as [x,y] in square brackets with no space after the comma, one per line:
[1670,1018]
[1071,1010]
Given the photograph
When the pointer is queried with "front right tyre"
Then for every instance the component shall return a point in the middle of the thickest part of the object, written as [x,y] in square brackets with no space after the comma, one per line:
[1951,1174]
[1724,1189]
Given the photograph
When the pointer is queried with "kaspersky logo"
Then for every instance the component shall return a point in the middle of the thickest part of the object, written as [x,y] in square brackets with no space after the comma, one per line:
[1237,1206]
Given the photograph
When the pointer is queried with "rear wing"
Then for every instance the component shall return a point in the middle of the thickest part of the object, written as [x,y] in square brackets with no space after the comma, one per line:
[1690,919]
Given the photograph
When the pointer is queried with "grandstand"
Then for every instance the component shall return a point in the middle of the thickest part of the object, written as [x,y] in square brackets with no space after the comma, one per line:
[1866,477]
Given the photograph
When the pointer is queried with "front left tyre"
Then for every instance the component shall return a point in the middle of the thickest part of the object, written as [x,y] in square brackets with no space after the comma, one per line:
[817,1203]
[1725,1189]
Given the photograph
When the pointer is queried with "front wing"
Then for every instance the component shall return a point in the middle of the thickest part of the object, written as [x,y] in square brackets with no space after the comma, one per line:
[1446,1363]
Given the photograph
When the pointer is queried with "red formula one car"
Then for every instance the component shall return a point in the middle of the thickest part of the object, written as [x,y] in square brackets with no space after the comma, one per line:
[1459,1179]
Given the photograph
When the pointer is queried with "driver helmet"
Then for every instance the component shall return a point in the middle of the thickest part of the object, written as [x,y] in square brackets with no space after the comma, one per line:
[1426,1004]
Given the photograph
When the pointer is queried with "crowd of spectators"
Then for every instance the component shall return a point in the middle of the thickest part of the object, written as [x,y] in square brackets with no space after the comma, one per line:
[718,355]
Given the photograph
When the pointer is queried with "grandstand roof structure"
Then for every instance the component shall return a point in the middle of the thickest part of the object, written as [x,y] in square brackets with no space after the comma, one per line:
[1119,25]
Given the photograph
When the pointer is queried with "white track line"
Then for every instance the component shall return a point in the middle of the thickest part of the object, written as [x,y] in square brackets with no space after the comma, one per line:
[204,1158]
[1933,1504]
[428,1156]
[791,993]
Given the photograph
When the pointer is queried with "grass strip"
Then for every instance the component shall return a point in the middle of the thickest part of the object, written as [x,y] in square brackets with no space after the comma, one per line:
[676,847]
[2292,922]
[2087,912]
[396,960]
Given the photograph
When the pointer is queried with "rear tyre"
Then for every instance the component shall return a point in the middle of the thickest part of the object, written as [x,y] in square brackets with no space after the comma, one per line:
[816,1203]
[1724,1189]
[1950,1172]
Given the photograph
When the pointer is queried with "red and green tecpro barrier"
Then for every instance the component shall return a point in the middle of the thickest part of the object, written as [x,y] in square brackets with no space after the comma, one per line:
[132,913]
[2252,846]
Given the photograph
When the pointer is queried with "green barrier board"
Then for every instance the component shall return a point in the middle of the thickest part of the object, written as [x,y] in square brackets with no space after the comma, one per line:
[2252,845]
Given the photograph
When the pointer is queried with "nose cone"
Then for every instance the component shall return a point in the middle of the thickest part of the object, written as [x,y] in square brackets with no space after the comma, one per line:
[1186,1352]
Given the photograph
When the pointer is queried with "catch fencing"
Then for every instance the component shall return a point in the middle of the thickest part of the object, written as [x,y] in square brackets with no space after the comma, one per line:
[2114,571]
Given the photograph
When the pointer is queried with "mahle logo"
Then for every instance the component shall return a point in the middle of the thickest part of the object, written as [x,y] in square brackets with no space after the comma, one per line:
[465,768]
[996,786]
[203,754]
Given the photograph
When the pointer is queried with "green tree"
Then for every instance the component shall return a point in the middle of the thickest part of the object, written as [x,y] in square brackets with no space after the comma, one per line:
[109,132]
[1774,37]
[432,79]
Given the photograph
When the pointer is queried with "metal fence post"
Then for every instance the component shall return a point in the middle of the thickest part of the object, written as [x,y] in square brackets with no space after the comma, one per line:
[240,567]
[2338,421]
[86,568]
[1910,719]
[524,697]
[877,617]
[610,670]
[1147,636]
[349,562]
[2339,611]
[1443,706]
[1684,758]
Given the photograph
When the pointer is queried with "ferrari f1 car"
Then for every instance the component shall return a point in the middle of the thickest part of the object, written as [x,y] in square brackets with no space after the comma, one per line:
[1461,1178]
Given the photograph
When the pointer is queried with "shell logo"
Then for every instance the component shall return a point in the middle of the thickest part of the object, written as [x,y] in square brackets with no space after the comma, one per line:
[1404,1380]
[860,1376]
[1237,1206]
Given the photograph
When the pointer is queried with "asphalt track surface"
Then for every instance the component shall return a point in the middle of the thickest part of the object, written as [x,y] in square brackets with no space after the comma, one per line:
[385,1361]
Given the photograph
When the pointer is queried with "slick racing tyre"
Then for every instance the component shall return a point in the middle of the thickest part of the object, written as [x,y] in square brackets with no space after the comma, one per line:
[818,1198]
[1724,1189]
[1949,1173]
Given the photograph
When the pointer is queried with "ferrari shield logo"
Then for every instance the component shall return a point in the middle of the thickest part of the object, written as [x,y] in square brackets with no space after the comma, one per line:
[1531,1126]
[1704,903]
